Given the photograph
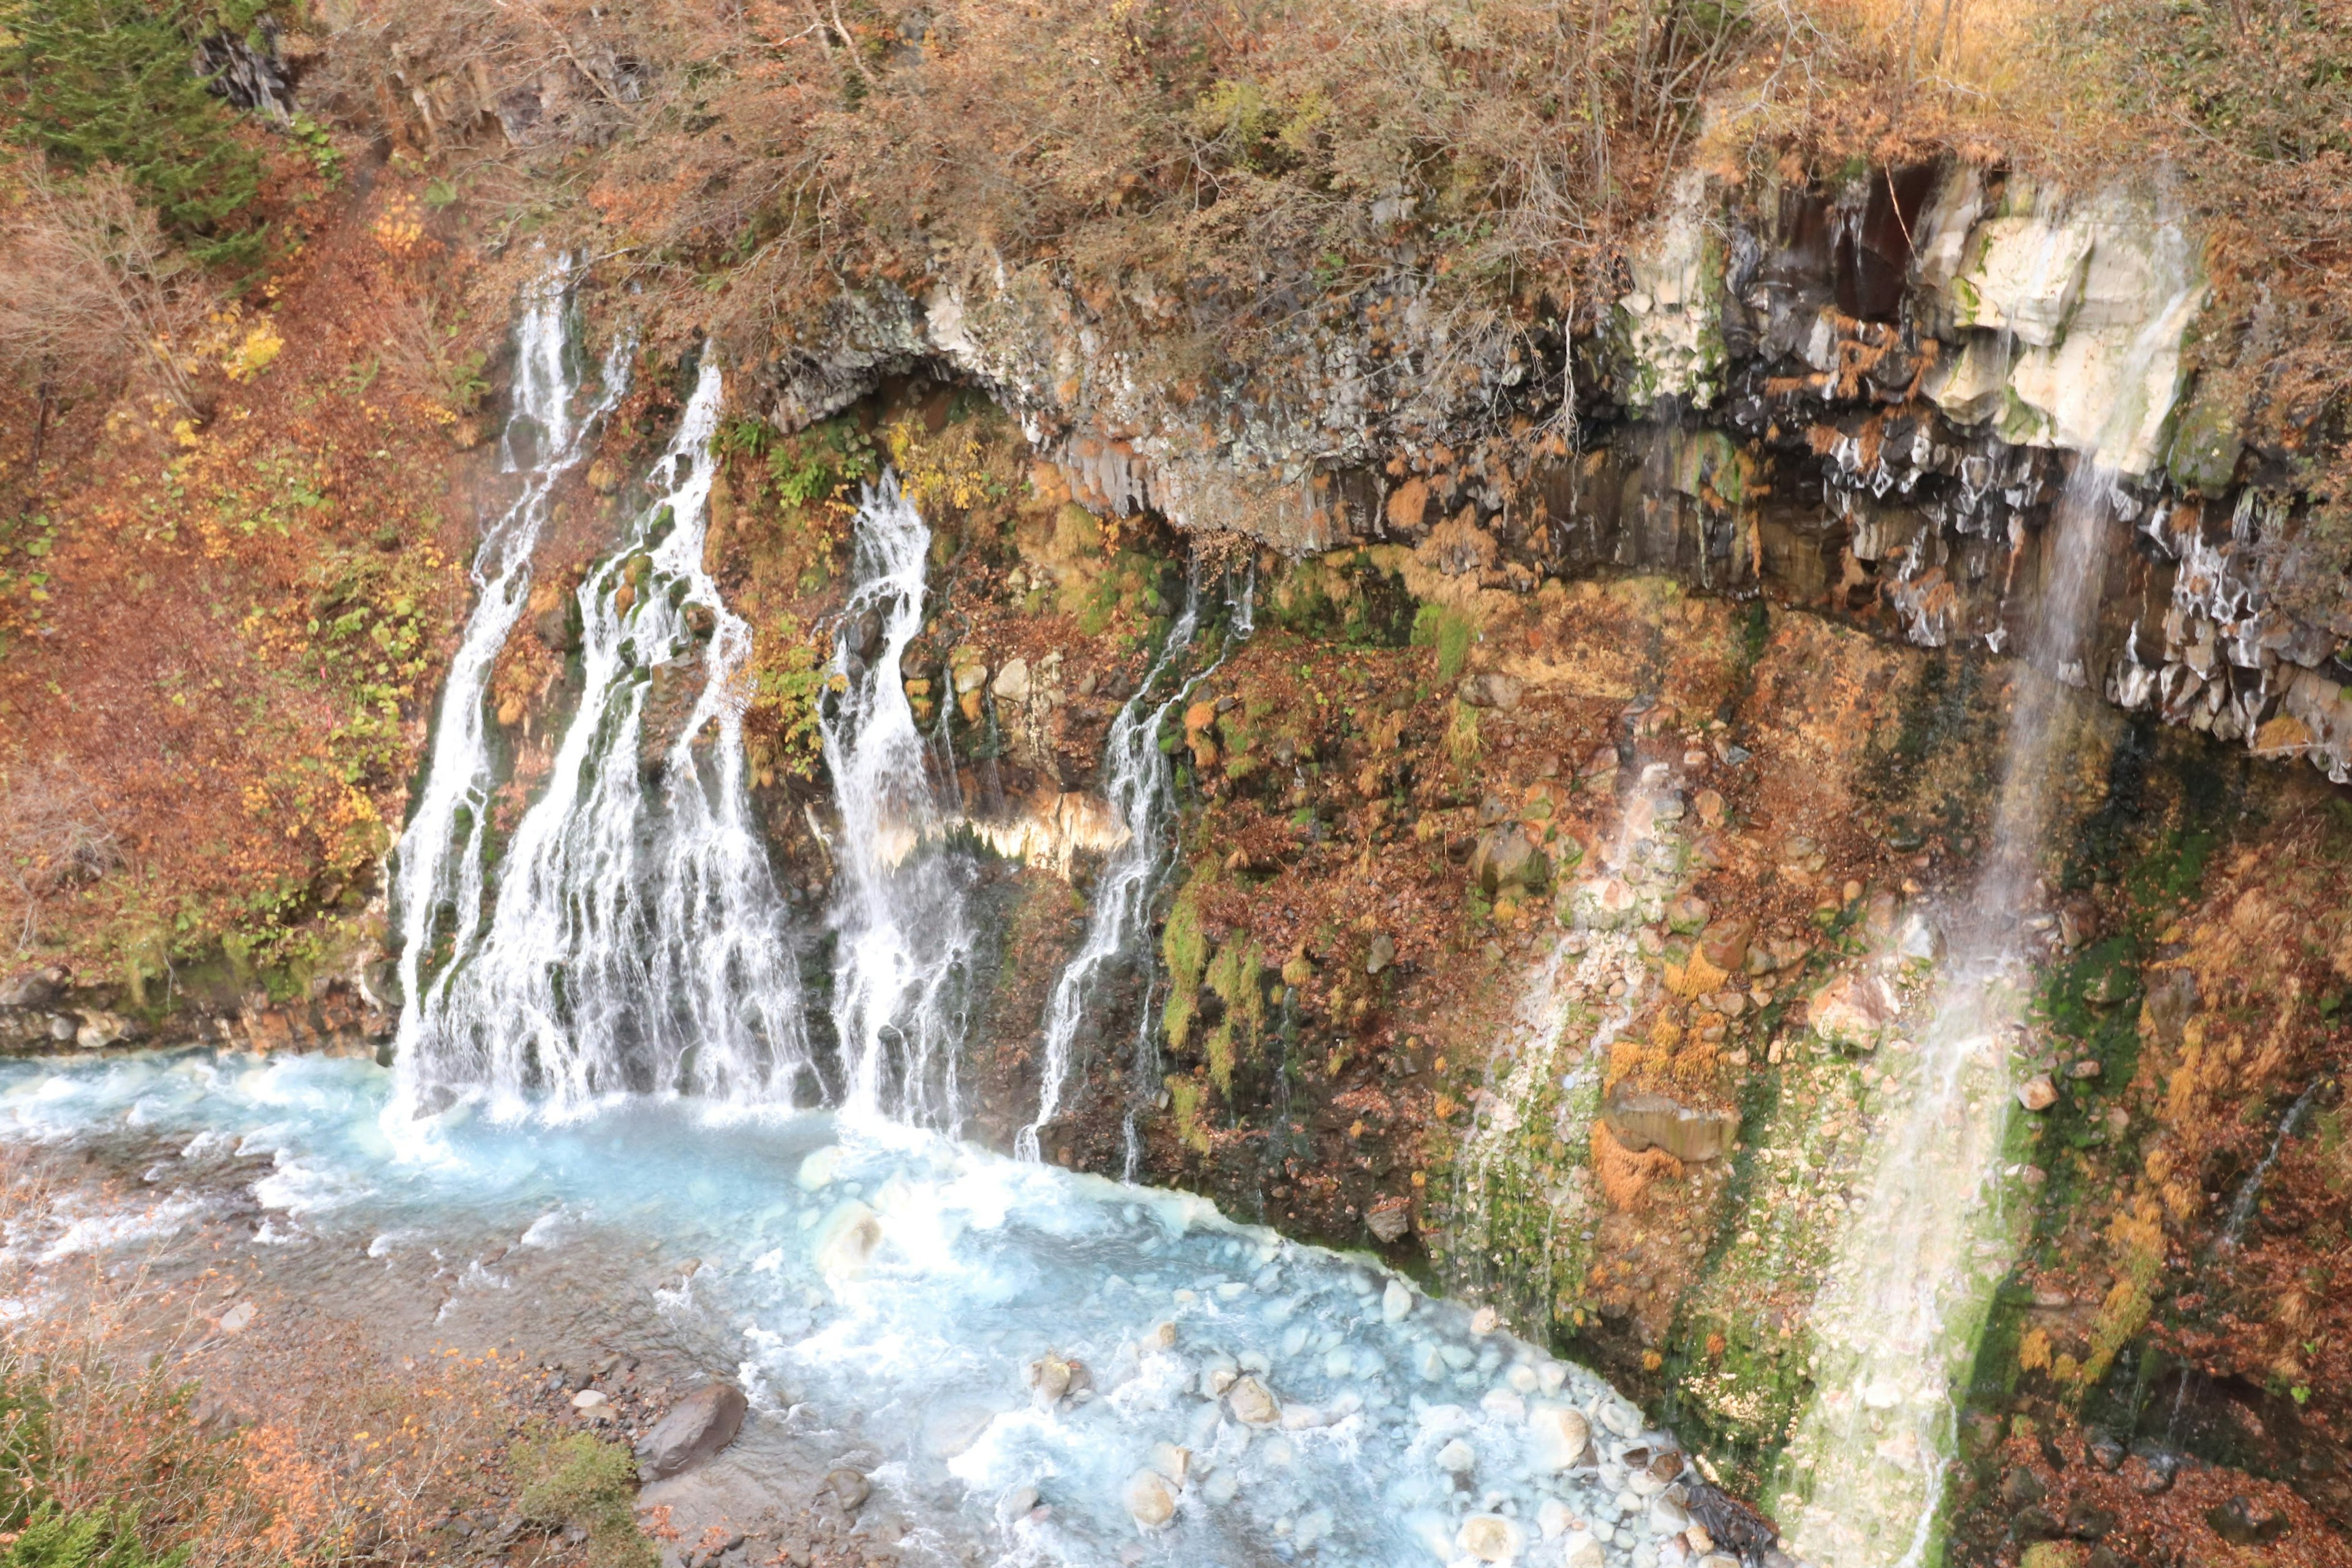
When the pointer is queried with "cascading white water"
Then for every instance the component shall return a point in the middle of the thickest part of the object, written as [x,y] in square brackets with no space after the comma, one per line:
[1899,1316]
[1141,790]
[903,931]
[879,1290]
[437,868]
[637,941]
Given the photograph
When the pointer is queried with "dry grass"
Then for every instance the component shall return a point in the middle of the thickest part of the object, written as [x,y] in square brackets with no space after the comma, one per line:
[289,1443]
[53,836]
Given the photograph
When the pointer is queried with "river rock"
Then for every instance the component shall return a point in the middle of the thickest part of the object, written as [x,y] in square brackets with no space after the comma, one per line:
[36,988]
[1150,1500]
[1491,1538]
[1252,1403]
[2037,1093]
[1854,1010]
[672,691]
[1505,859]
[1619,1417]
[1171,1461]
[1390,1219]
[1581,1550]
[2243,1523]
[1724,943]
[695,1428]
[846,1240]
[1458,1457]
[1012,684]
[1396,1302]
[99,1030]
[1051,1377]
[1644,1119]
[850,1489]
[1561,1434]
[817,1171]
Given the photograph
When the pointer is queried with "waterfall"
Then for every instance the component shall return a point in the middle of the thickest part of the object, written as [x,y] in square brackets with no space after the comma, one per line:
[900,917]
[1898,1322]
[439,863]
[1141,791]
[638,940]
[2242,1210]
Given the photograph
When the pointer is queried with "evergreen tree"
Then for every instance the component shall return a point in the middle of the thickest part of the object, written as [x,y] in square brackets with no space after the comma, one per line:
[112,82]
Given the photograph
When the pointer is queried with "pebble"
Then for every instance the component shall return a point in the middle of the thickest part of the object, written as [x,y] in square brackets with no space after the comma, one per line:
[1504,1405]
[1620,1417]
[1491,1538]
[1252,1403]
[1563,1434]
[1150,1500]
[1457,1457]
[1582,1551]
[2037,1093]
[1396,1302]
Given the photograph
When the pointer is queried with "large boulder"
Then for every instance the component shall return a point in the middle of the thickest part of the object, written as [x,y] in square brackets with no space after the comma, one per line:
[1641,1120]
[1506,859]
[697,1427]
[1854,1010]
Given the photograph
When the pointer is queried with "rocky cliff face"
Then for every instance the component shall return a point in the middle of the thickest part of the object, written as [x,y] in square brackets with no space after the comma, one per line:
[1861,396]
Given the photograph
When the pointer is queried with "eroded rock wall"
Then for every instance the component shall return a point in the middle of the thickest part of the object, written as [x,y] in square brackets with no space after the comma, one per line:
[1862,396]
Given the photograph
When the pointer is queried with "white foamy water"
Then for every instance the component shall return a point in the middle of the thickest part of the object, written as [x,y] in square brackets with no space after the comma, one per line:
[901,970]
[437,868]
[895,1285]
[637,941]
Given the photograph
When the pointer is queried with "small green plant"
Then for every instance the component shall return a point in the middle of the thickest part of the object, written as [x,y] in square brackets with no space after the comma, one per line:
[1447,630]
[819,463]
[319,148]
[578,1481]
[1185,950]
[788,680]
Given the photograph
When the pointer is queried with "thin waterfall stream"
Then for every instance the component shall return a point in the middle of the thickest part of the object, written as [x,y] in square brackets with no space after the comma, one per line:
[900,916]
[1899,1316]
[1142,795]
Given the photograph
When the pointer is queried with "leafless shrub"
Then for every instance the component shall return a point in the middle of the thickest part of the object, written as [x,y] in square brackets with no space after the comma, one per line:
[89,286]
[53,836]
[428,356]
